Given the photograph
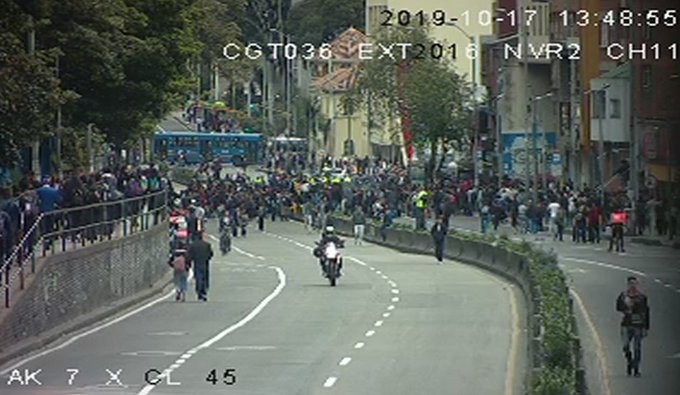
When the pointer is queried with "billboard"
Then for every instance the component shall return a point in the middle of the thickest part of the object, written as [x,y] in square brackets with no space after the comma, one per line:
[515,149]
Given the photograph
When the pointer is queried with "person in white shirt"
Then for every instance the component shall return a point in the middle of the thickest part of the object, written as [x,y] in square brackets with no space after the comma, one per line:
[553,208]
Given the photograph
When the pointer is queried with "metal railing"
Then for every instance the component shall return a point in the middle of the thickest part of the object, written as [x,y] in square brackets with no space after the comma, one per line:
[73,228]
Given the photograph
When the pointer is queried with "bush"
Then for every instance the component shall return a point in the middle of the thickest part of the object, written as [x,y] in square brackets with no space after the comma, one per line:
[558,374]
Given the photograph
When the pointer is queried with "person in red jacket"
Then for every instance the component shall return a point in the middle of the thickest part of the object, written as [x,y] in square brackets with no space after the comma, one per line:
[594,223]
[635,324]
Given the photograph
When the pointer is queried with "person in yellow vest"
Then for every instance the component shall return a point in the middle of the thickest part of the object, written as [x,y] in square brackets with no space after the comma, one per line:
[421,205]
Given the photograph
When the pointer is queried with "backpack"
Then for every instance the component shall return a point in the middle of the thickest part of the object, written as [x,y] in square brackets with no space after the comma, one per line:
[180,264]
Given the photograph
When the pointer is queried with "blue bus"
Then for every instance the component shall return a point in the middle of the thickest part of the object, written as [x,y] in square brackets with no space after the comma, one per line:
[196,147]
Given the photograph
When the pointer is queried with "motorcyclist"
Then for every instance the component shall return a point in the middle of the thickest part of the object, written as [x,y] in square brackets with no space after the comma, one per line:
[329,236]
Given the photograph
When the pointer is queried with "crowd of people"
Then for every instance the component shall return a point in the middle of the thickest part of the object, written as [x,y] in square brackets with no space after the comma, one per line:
[20,207]
[375,189]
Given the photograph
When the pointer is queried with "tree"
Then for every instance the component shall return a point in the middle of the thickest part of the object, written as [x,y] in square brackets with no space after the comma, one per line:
[314,21]
[427,89]
[29,89]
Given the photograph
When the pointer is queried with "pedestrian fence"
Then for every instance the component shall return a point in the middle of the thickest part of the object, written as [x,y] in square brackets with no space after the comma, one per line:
[69,229]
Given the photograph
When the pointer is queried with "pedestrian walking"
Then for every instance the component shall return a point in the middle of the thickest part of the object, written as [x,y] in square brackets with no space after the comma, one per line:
[359,221]
[181,272]
[635,324]
[261,213]
[199,255]
[438,233]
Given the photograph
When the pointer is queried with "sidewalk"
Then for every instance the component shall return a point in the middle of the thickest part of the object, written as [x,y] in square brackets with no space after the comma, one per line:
[473,224]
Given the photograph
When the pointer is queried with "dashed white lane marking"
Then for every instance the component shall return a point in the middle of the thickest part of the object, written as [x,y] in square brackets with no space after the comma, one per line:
[602,264]
[658,281]
[667,285]
[330,381]
[253,313]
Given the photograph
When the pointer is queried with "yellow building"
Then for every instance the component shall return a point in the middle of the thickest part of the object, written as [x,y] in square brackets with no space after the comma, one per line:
[333,79]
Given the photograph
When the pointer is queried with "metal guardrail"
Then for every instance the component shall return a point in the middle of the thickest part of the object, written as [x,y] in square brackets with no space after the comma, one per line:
[72,228]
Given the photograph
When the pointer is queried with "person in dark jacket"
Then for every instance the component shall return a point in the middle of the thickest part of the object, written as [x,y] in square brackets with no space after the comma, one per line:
[199,255]
[635,324]
[439,232]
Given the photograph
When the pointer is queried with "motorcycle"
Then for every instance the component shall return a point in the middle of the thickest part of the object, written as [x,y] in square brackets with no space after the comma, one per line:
[332,261]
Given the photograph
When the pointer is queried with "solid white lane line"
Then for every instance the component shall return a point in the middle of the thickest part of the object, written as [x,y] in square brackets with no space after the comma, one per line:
[90,331]
[602,264]
[370,333]
[378,323]
[330,381]
[359,345]
[599,348]
[345,361]
[253,313]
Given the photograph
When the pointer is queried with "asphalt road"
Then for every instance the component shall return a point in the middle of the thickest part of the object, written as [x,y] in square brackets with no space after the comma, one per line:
[395,324]
[597,277]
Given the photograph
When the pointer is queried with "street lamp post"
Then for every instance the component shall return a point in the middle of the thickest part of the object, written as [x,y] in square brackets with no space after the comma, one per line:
[534,128]
[471,39]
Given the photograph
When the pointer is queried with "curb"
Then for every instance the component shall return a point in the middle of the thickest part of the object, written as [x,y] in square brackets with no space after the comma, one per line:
[37,342]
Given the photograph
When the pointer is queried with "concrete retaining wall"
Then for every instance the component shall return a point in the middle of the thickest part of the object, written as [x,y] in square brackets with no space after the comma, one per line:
[72,284]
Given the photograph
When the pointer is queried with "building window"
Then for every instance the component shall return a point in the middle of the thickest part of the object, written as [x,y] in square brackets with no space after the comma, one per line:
[599,102]
[647,77]
[615,105]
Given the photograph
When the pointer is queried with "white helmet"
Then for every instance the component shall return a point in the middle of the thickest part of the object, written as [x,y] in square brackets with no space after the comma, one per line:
[330,229]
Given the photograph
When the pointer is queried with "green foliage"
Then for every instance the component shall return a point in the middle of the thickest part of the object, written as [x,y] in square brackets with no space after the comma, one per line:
[122,64]
[318,21]
[429,90]
[30,92]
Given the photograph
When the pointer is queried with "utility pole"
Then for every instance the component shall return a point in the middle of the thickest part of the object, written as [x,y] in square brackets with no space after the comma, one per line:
[524,44]
[602,94]
[60,167]
[30,50]
[88,142]
[574,169]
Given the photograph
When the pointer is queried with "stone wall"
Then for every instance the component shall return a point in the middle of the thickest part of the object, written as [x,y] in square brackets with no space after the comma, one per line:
[72,284]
